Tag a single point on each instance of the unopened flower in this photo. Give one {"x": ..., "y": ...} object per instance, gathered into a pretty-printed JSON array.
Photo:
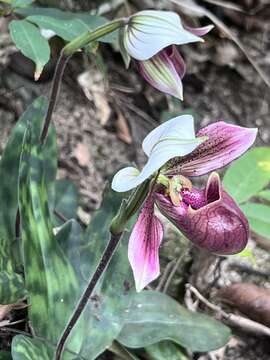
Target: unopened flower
[
  {"x": 208, "y": 217},
  {"x": 148, "y": 37}
]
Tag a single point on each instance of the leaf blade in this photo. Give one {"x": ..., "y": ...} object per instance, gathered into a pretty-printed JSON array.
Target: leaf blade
[
  {"x": 32, "y": 44},
  {"x": 154, "y": 317}
]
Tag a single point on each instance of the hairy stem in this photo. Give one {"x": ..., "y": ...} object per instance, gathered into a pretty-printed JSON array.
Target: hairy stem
[
  {"x": 105, "y": 259},
  {"x": 65, "y": 55},
  {"x": 126, "y": 211},
  {"x": 57, "y": 79}
]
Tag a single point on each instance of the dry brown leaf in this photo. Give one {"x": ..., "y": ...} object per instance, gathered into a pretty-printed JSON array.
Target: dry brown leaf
[
  {"x": 6, "y": 309},
  {"x": 81, "y": 153},
  {"x": 249, "y": 299},
  {"x": 93, "y": 85},
  {"x": 123, "y": 132}
]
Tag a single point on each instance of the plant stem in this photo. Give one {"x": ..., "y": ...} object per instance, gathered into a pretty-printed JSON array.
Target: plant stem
[
  {"x": 65, "y": 55},
  {"x": 126, "y": 211},
  {"x": 106, "y": 257},
  {"x": 57, "y": 79},
  {"x": 89, "y": 37}
]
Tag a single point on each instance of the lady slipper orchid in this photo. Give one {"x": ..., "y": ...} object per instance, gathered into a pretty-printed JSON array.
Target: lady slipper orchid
[
  {"x": 149, "y": 37},
  {"x": 208, "y": 217}
]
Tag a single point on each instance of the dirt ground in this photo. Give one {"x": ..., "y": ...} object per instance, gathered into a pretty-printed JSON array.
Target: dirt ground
[{"x": 101, "y": 119}]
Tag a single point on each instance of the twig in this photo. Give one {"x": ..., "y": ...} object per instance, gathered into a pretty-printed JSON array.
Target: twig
[
  {"x": 60, "y": 216},
  {"x": 226, "y": 5},
  {"x": 232, "y": 319},
  {"x": 249, "y": 270},
  {"x": 165, "y": 274},
  {"x": 106, "y": 257},
  {"x": 174, "y": 269}
]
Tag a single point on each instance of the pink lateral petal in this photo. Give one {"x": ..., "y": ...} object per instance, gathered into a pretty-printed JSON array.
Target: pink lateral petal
[
  {"x": 177, "y": 60},
  {"x": 143, "y": 248},
  {"x": 225, "y": 143},
  {"x": 201, "y": 31}
]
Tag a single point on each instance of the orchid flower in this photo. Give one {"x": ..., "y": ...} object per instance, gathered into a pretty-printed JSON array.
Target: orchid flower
[
  {"x": 208, "y": 217},
  {"x": 149, "y": 37}
]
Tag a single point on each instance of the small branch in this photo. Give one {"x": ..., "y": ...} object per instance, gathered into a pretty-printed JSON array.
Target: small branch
[
  {"x": 174, "y": 269},
  {"x": 165, "y": 275},
  {"x": 105, "y": 260},
  {"x": 249, "y": 270},
  {"x": 57, "y": 79},
  {"x": 232, "y": 319},
  {"x": 60, "y": 216}
]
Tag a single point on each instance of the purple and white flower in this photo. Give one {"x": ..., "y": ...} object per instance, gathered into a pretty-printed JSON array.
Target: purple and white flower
[
  {"x": 208, "y": 217},
  {"x": 150, "y": 37}
]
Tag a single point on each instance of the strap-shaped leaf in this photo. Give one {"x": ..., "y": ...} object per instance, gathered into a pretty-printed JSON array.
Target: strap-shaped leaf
[
  {"x": 32, "y": 44},
  {"x": 57, "y": 267},
  {"x": 11, "y": 286},
  {"x": 49, "y": 277},
  {"x": 9, "y": 166},
  {"x": 154, "y": 317}
]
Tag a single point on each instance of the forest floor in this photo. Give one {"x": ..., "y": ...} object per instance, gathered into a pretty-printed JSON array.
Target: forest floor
[{"x": 103, "y": 115}]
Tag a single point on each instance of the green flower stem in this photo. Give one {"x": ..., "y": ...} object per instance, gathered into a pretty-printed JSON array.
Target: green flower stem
[
  {"x": 88, "y": 37},
  {"x": 65, "y": 55},
  {"x": 126, "y": 211},
  {"x": 129, "y": 207}
]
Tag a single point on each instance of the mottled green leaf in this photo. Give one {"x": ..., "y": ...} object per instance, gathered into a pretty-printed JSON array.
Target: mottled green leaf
[
  {"x": 49, "y": 277},
  {"x": 66, "y": 199},
  {"x": 154, "y": 317},
  {"x": 248, "y": 175},
  {"x": 165, "y": 350},
  {"x": 26, "y": 348},
  {"x": 11, "y": 288},
  {"x": 28, "y": 39},
  {"x": 9, "y": 167},
  {"x": 265, "y": 195},
  {"x": 259, "y": 218},
  {"x": 57, "y": 267},
  {"x": 9, "y": 164},
  {"x": 9, "y": 172},
  {"x": 66, "y": 24}
]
